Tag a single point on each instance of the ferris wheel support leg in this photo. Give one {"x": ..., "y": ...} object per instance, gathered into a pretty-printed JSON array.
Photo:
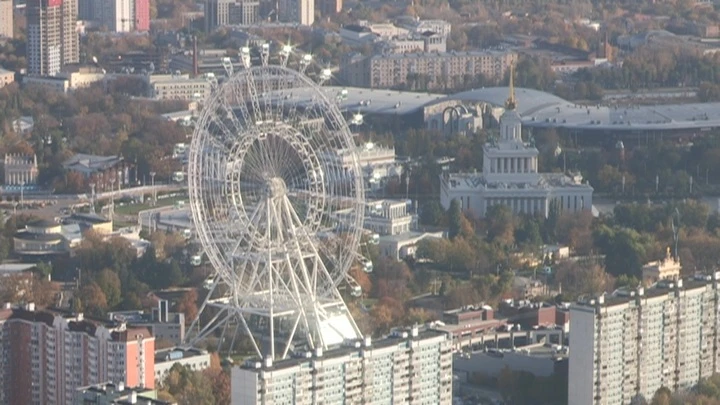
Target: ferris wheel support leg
[
  {"x": 249, "y": 333},
  {"x": 219, "y": 318},
  {"x": 290, "y": 337},
  {"x": 232, "y": 342},
  {"x": 196, "y": 321}
]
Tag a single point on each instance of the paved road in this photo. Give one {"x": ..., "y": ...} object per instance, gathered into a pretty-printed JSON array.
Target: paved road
[{"x": 60, "y": 202}]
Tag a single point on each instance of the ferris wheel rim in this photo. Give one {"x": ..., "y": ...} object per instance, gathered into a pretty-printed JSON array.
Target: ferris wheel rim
[{"x": 210, "y": 232}]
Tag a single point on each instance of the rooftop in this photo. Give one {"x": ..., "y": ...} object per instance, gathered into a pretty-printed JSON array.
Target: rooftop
[
  {"x": 663, "y": 287},
  {"x": 346, "y": 349}
]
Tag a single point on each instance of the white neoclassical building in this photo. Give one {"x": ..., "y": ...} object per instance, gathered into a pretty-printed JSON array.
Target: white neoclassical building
[{"x": 510, "y": 177}]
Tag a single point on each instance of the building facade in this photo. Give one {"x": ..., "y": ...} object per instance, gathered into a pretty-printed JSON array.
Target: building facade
[
  {"x": 408, "y": 367},
  {"x": 54, "y": 354},
  {"x": 20, "y": 170},
  {"x": 634, "y": 342},
  {"x": 301, "y": 12},
  {"x": 116, "y": 15},
  {"x": 6, "y": 76},
  {"x": 330, "y": 7},
  {"x": 510, "y": 177},
  {"x": 178, "y": 87},
  {"x": 6, "y": 18},
  {"x": 231, "y": 12},
  {"x": 52, "y": 39},
  {"x": 430, "y": 69}
]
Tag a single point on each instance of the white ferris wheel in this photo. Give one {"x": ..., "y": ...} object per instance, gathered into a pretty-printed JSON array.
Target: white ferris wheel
[{"x": 265, "y": 182}]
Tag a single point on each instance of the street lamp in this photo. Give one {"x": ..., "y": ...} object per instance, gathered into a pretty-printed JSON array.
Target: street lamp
[{"x": 152, "y": 184}]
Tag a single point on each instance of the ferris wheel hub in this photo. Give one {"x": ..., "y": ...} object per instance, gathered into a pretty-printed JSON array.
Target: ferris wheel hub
[{"x": 275, "y": 188}]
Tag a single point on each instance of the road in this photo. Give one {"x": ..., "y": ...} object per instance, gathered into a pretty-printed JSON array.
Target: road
[{"x": 57, "y": 204}]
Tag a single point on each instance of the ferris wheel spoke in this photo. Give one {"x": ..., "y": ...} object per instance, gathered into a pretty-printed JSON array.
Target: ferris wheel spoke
[{"x": 264, "y": 185}]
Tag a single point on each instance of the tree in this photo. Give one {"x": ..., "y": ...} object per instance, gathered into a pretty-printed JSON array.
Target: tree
[
  {"x": 93, "y": 299},
  {"x": 581, "y": 279},
  {"x": 663, "y": 396},
  {"x": 188, "y": 305},
  {"x": 455, "y": 216},
  {"x": 189, "y": 387},
  {"x": 431, "y": 213},
  {"x": 625, "y": 249},
  {"x": 109, "y": 283},
  {"x": 500, "y": 225}
]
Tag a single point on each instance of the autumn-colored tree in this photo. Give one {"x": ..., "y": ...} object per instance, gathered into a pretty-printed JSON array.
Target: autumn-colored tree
[
  {"x": 188, "y": 305},
  {"x": 219, "y": 379},
  {"x": 362, "y": 278},
  {"x": 386, "y": 313},
  {"x": 93, "y": 299},
  {"x": 391, "y": 279},
  {"x": 578, "y": 279}
]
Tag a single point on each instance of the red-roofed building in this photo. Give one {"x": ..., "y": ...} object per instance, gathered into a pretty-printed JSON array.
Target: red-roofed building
[{"x": 48, "y": 355}]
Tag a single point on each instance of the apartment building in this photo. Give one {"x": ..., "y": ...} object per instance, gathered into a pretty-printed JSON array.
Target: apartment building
[
  {"x": 432, "y": 69},
  {"x": 330, "y": 7},
  {"x": 48, "y": 355},
  {"x": 297, "y": 11},
  {"x": 633, "y": 342},
  {"x": 231, "y": 12},
  {"x": 6, "y": 18},
  {"x": 52, "y": 38},
  {"x": 178, "y": 87},
  {"x": 410, "y": 367}
]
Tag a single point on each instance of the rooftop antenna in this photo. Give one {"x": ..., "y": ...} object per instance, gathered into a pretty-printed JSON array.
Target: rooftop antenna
[{"x": 511, "y": 103}]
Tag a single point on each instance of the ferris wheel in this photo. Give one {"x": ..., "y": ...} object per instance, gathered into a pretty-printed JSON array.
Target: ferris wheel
[{"x": 265, "y": 183}]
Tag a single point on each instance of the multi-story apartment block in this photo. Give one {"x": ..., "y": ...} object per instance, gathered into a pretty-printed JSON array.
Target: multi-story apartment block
[
  {"x": 297, "y": 11},
  {"x": 52, "y": 34},
  {"x": 178, "y": 87},
  {"x": 412, "y": 367},
  {"x": 117, "y": 15},
  {"x": 6, "y": 18},
  {"x": 48, "y": 355},
  {"x": 231, "y": 12},
  {"x": 330, "y": 7},
  {"x": 432, "y": 69},
  {"x": 634, "y": 342}
]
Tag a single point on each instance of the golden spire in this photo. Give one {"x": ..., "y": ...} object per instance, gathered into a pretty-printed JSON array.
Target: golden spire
[{"x": 510, "y": 103}]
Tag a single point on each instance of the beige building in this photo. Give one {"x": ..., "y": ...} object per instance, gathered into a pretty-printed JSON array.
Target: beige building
[
  {"x": 178, "y": 87},
  {"x": 412, "y": 367},
  {"x": 667, "y": 268},
  {"x": 20, "y": 170},
  {"x": 52, "y": 38},
  {"x": 6, "y": 76},
  {"x": 633, "y": 342},
  {"x": 430, "y": 69},
  {"x": 6, "y": 18}
]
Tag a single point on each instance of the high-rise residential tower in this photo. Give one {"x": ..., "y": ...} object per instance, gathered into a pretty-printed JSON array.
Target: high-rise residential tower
[
  {"x": 297, "y": 11},
  {"x": 6, "y": 18},
  {"x": 46, "y": 356},
  {"x": 631, "y": 343},
  {"x": 52, "y": 35}
]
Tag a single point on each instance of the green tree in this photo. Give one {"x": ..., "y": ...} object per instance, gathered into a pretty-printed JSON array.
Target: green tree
[
  {"x": 455, "y": 216},
  {"x": 109, "y": 283}
]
